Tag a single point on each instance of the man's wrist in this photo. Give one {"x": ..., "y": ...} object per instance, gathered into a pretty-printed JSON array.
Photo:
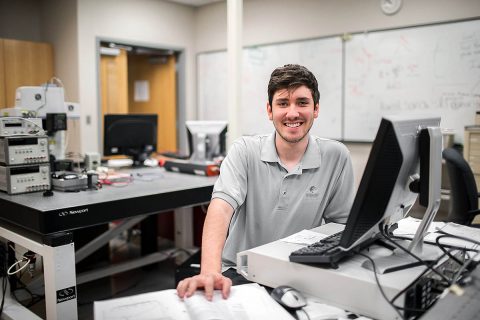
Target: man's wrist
[{"x": 207, "y": 270}]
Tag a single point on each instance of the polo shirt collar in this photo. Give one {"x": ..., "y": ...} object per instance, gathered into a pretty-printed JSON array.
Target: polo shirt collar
[
  {"x": 269, "y": 151},
  {"x": 311, "y": 159},
  {"x": 313, "y": 156}
]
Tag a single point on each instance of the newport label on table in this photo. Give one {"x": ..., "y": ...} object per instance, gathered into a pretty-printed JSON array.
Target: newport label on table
[
  {"x": 72, "y": 212},
  {"x": 66, "y": 294}
]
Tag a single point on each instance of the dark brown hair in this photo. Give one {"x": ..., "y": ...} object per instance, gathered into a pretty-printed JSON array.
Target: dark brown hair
[{"x": 290, "y": 77}]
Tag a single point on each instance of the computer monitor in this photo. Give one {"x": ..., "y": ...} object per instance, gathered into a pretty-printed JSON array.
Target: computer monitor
[
  {"x": 133, "y": 135},
  {"x": 405, "y": 160},
  {"x": 206, "y": 139}
]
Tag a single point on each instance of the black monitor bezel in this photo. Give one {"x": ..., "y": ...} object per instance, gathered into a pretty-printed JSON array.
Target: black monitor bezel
[{"x": 115, "y": 119}]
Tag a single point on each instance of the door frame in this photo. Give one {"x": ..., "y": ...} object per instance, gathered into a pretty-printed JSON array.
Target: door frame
[{"x": 180, "y": 87}]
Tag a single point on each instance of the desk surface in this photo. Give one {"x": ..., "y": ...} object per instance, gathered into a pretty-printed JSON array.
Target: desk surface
[
  {"x": 350, "y": 287},
  {"x": 153, "y": 190}
]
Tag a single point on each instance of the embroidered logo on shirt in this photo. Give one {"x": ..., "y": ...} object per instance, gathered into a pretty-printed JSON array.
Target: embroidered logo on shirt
[{"x": 312, "y": 193}]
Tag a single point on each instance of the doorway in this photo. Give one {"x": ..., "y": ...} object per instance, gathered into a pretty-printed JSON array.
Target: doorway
[{"x": 137, "y": 79}]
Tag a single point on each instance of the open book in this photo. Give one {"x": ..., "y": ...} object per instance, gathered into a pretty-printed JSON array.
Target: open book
[{"x": 248, "y": 301}]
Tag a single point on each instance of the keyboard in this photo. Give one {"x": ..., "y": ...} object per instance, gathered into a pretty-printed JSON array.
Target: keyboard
[{"x": 325, "y": 251}]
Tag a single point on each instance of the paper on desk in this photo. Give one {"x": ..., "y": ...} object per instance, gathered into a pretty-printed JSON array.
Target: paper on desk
[
  {"x": 317, "y": 310},
  {"x": 304, "y": 237},
  {"x": 458, "y": 230},
  {"x": 408, "y": 226},
  {"x": 249, "y": 301}
]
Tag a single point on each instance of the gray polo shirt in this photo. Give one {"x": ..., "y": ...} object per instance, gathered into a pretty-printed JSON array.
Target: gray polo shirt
[{"x": 270, "y": 202}]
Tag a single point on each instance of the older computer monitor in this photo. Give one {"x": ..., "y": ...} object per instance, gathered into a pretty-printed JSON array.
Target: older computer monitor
[
  {"x": 133, "y": 135},
  {"x": 206, "y": 139},
  {"x": 405, "y": 160}
]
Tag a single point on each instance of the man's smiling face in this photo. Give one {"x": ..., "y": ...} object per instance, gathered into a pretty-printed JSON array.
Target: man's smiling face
[{"x": 292, "y": 113}]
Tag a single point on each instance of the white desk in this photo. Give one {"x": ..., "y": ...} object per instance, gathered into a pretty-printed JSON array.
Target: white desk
[{"x": 349, "y": 287}]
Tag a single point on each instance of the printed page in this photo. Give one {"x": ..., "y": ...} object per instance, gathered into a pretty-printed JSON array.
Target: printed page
[
  {"x": 249, "y": 301},
  {"x": 305, "y": 237},
  {"x": 160, "y": 305}
]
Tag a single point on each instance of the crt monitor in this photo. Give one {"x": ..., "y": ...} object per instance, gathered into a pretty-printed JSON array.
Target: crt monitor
[
  {"x": 206, "y": 139},
  {"x": 133, "y": 135},
  {"x": 395, "y": 174}
]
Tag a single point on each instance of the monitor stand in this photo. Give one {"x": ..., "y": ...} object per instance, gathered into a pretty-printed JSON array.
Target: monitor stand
[
  {"x": 199, "y": 152},
  {"x": 139, "y": 158},
  {"x": 400, "y": 259}
]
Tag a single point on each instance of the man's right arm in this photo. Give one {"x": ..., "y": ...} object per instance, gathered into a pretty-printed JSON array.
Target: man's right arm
[{"x": 213, "y": 240}]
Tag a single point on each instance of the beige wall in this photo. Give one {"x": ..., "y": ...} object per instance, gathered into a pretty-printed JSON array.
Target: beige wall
[
  {"x": 270, "y": 21},
  {"x": 53, "y": 21},
  {"x": 152, "y": 23},
  {"x": 59, "y": 27},
  {"x": 20, "y": 20}
]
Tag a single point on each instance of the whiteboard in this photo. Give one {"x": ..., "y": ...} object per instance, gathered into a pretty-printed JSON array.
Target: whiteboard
[
  {"x": 321, "y": 56},
  {"x": 424, "y": 70}
]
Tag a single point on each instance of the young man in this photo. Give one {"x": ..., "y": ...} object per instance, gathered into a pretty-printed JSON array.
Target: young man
[{"x": 272, "y": 186}]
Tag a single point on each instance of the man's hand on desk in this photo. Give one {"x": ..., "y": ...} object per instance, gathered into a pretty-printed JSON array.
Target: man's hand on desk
[{"x": 207, "y": 281}]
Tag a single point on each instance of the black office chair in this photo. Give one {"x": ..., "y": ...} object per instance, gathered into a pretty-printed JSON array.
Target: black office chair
[{"x": 463, "y": 194}]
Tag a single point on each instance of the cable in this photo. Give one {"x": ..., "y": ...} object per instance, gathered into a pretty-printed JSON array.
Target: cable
[
  {"x": 45, "y": 89},
  {"x": 21, "y": 268},
  {"x": 34, "y": 298},
  {"x": 459, "y": 237},
  {"x": 150, "y": 176},
  {"x": 408, "y": 287},
  {"x": 58, "y": 82},
  {"x": 425, "y": 263},
  {"x": 380, "y": 286},
  {"x": 466, "y": 264},
  {"x": 36, "y": 125},
  {"x": 460, "y": 271},
  {"x": 441, "y": 246},
  {"x": 116, "y": 179}
]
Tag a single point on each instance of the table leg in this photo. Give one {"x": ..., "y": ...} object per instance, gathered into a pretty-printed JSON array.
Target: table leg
[
  {"x": 60, "y": 282},
  {"x": 184, "y": 228},
  {"x": 58, "y": 252}
]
